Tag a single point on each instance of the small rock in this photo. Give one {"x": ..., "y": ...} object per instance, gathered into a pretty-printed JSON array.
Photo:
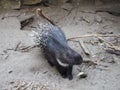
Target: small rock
[
  {"x": 10, "y": 71},
  {"x": 82, "y": 75},
  {"x": 12, "y": 82},
  {"x": 45, "y": 72}
]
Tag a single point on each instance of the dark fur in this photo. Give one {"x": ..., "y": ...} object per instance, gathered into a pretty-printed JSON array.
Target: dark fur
[{"x": 57, "y": 47}]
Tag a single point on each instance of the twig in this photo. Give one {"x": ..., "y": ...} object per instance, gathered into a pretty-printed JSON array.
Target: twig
[
  {"x": 26, "y": 49},
  {"x": 42, "y": 87},
  {"x": 110, "y": 45},
  {"x": 107, "y": 43},
  {"x": 16, "y": 48},
  {"x": 94, "y": 35},
  {"x": 70, "y": 11},
  {"x": 86, "y": 51},
  {"x": 115, "y": 47},
  {"x": 106, "y": 69},
  {"x": 21, "y": 85},
  {"x": 113, "y": 51},
  {"x": 9, "y": 16},
  {"x": 90, "y": 62},
  {"x": 83, "y": 19},
  {"x": 110, "y": 12},
  {"x": 28, "y": 85},
  {"x": 111, "y": 48},
  {"x": 91, "y": 12},
  {"x": 39, "y": 12}
]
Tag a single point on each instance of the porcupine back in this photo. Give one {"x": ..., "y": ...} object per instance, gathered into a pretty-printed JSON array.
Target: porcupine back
[{"x": 46, "y": 32}]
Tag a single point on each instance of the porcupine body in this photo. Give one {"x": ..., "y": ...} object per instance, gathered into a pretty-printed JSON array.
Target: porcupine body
[{"x": 53, "y": 42}]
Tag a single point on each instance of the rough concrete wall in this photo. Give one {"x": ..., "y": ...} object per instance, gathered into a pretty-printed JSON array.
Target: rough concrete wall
[
  {"x": 15, "y": 4},
  {"x": 29, "y": 2}
]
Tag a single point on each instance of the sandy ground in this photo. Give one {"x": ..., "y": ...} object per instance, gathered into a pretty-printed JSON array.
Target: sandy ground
[{"x": 30, "y": 71}]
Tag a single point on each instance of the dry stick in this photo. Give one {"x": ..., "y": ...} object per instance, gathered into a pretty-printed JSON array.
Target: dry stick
[
  {"x": 107, "y": 43},
  {"x": 111, "y": 48},
  {"x": 110, "y": 45},
  {"x": 86, "y": 51},
  {"x": 26, "y": 49},
  {"x": 42, "y": 87},
  {"x": 14, "y": 49},
  {"x": 90, "y": 62},
  {"x": 39, "y": 12},
  {"x": 10, "y": 16},
  {"x": 93, "y": 35},
  {"x": 20, "y": 85},
  {"x": 115, "y": 47},
  {"x": 112, "y": 51},
  {"x": 17, "y": 46},
  {"x": 99, "y": 36},
  {"x": 28, "y": 85}
]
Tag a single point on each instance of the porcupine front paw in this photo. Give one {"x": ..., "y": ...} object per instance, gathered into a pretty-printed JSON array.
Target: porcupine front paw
[{"x": 69, "y": 73}]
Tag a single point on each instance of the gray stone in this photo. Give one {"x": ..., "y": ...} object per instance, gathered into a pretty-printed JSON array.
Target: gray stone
[
  {"x": 10, "y": 4},
  {"x": 31, "y": 2}
]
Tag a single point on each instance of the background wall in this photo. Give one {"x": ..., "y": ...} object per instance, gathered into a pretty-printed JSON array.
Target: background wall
[{"x": 16, "y": 4}]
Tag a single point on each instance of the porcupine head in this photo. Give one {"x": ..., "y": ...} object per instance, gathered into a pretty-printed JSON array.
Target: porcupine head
[{"x": 68, "y": 57}]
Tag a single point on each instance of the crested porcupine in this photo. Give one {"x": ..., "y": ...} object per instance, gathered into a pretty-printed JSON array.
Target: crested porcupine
[{"x": 54, "y": 45}]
